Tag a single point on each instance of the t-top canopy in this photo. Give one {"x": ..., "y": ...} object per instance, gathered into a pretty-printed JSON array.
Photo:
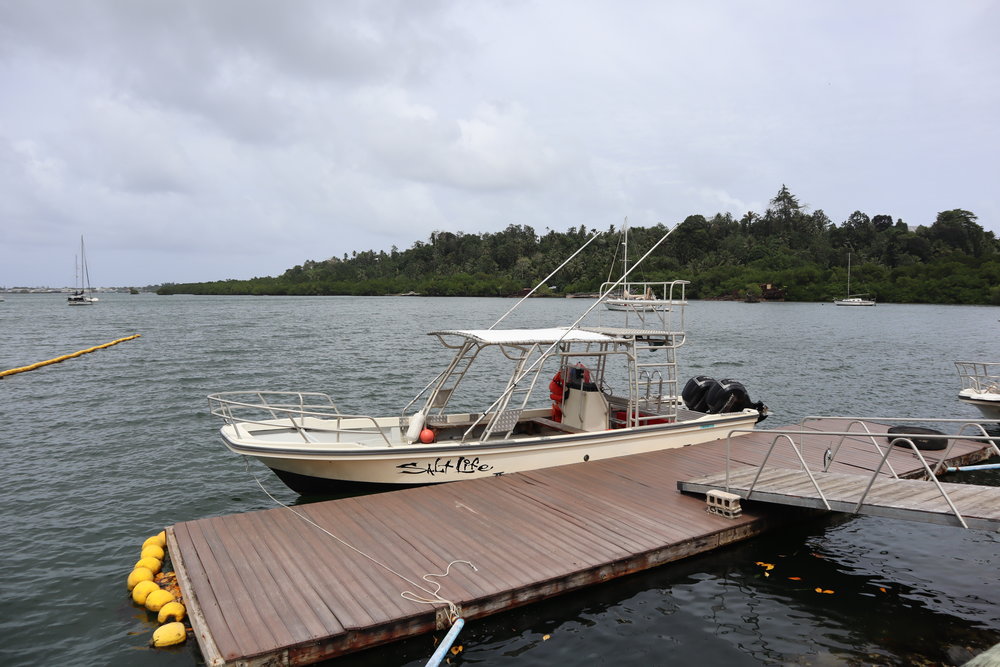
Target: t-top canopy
[{"x": 527, "y": 336}]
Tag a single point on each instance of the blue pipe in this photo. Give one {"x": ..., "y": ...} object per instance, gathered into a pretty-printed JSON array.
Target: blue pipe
[
  {"x": 985, "y": 466},
  {"x": 446, "y": 643}
]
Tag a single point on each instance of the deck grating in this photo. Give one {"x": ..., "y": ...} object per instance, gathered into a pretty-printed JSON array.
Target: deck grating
[{"x": 266, "y": 587}]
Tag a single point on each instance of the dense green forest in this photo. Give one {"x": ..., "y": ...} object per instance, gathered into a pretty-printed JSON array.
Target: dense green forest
[{"x": 954, "y": 260}]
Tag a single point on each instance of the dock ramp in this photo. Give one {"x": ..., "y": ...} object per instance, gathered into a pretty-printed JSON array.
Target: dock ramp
[
  {"x": 910, "y": 499},
  {"x": 879, "y": 492}
]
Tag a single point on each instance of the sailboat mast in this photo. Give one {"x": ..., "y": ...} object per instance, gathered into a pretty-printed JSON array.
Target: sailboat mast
[
  {"x": 625, "y": 244},
  {"x": 848, "y": 274},
  {"x": 625, "y": 254},
  {"x": 85, "y": 273}
]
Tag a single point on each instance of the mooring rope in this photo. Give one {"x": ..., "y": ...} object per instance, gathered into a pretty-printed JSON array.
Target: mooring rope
[
  {"x": 433, "y": 595},
  {"x": 64, "y": 357}
]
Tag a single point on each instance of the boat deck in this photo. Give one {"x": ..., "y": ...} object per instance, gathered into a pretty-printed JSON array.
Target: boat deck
[{"x": 270, "y": 587}]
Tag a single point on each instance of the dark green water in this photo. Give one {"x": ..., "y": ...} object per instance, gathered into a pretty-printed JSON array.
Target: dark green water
[{"x": 101, "y": 451}]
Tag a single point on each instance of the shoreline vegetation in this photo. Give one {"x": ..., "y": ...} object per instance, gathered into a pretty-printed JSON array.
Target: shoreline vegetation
[{"x": 804, "y": 255}]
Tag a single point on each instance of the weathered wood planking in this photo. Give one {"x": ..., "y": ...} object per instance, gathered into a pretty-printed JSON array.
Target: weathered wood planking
[
  {"x": 909, "y": 499},
  {"x": 267, "y": 587}
]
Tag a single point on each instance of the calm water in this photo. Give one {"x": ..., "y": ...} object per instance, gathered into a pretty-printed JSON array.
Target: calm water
[{"x": 101, "y": 451}]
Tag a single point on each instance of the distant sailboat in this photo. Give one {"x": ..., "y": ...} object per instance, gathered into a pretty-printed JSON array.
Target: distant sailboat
[
  {"x": 633, "y": 296},
  {"x": 853, "y": 299},
  {"x": 83, "y": 296}
]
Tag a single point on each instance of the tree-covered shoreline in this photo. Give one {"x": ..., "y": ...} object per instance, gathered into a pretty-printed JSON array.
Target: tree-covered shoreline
[{"x": 952, "y": 261}]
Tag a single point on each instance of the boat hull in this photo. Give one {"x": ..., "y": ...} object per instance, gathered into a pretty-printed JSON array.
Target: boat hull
[
  {"x": 988, "y": 404},
  {"x": 302, "y": 465},
  {"x": 631, "y": 305}
]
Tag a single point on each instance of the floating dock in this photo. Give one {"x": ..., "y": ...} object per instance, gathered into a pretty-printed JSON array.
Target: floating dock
[{"x": 269, "y": 587}]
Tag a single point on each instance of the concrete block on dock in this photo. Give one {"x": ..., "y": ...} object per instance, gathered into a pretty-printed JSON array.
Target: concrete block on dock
[{"x": 723, "y": 503}]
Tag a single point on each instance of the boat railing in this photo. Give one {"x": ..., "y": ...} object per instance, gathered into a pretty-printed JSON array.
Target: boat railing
[
  {"x": 859, "y": 426},
  {"x": 273, "y": 408},
  {"x": 666, "y": 292},
  {"x": 981, "y": 377}
]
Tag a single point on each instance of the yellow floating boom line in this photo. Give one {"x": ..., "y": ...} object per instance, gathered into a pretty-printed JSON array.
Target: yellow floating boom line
[{"x": 64, "y": 357}]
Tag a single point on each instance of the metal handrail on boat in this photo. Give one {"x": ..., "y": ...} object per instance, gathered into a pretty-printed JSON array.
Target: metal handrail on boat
[
  {"x": 981, "y": 377},
  {"x": 894, "y": 439},
  {"x": 231, "y": 410}
]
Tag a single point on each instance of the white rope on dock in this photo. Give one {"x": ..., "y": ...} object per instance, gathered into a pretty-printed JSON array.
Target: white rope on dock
[{"x": 433, "y": 596}]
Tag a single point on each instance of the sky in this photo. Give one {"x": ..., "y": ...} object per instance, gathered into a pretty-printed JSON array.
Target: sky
[{"x": 197, "y": 140}]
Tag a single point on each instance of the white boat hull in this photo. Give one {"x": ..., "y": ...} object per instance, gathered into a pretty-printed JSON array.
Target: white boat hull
[
  {"x": 371, "y": 461},
  {"x": 987, "y": 402},
  {"x": 980, "y": 386},
  {"x": 854, "y": 302},
  {"x": 630, "y": 305}
]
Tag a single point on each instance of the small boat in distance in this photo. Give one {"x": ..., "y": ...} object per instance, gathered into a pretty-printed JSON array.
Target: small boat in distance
[
  {"x": 569, "y": 394},
  {"x": 83, "y": 294},
  {"x": 980, "y": 386},
  {"x": 632, "y": 296},
  {"x": 853, "y": 299}
]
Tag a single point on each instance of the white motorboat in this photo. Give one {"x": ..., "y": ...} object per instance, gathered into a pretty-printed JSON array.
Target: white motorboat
[
  {"x": 853, "y": 299},
  {"x": 83, "y": 294},
  {"x": 569, "y": 395},
  {"x": 980, "y": 386}
]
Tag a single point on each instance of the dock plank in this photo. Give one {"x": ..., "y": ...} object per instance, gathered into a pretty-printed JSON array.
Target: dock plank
[
  {"x": 239, "y": 603},
  {"x": 273, "y": 618},
  {"x": 314, "y": 614},
  {"x": 266, "y": 587}
]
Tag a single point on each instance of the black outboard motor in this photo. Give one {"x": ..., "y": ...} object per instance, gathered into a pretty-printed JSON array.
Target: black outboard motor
[
  {"x": 705, "y": 394},
  {"x": 727, "y": 396},
  {"x": 694, "y": 392}
]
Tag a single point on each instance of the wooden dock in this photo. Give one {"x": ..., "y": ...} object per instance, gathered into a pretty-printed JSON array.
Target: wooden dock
[{"x": 268, "y": 587}]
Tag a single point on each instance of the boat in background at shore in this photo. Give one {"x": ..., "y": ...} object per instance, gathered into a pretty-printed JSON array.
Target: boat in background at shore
[{"x": 853, "y": 299}]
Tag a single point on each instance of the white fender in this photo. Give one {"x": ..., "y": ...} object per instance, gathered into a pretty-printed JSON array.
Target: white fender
[{"x": 416, "y": 426}]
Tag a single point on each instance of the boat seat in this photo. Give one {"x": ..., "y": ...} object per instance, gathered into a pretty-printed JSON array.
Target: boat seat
[{"x": 559, "y": 426}]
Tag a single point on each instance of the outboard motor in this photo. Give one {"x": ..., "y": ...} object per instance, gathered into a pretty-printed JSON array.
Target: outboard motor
[
  {"x": 705, "y": 394},
  {"x": 694, "y": 389},
  {"x": 695, "y": 392},
  {"x": 727, "y": 396}
]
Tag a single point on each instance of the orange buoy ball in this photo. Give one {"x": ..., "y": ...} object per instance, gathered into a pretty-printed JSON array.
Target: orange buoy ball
[
  {"x": 142, "y": 591},
  {"x": 137, "y": 575},
  {"x": 427, "y": 436}
]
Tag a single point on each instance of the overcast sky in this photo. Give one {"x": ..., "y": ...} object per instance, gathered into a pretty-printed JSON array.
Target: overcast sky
[{"x": 204, "y": 140}]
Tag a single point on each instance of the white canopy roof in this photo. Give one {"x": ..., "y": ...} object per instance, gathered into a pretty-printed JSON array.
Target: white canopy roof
[{"x": 527, "y": 336}]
